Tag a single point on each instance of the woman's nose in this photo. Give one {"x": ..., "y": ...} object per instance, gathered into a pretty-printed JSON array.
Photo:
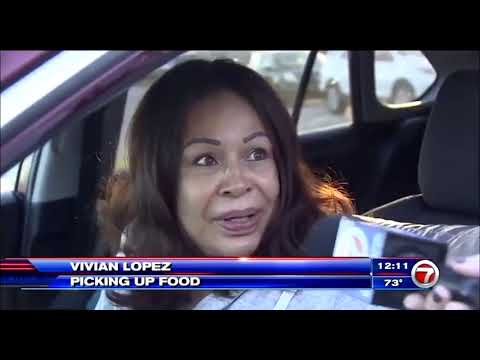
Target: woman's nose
[{"x": 234, "y": 183}]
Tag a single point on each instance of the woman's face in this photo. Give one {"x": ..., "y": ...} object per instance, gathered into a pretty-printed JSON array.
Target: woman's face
[{"x": 228, "y": 179}]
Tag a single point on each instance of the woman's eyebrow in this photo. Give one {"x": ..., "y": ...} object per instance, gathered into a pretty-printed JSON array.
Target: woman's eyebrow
[
  {"x": 254, "y": 135},
  {"x": 202, "y": 141},
  {"x": 218, "y": 143}
]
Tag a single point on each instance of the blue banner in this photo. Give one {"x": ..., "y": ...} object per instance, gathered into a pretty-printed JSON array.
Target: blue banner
[
  {"x": 212, "y": 273},
  {"x": 193, "y": 282},
  {"x": 240, "y": 266}
]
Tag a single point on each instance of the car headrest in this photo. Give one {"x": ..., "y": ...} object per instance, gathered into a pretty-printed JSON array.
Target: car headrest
[{"x": 448, "y": 167}]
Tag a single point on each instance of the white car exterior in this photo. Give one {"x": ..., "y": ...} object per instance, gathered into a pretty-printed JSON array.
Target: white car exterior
[
  {"x": 266, "y": 63},
  {"x": 285, "y": 67},
  {"x": 400, "y": 76}
]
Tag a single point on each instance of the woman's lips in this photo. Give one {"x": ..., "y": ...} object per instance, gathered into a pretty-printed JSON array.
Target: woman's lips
[{"x": 240, "y": 225}]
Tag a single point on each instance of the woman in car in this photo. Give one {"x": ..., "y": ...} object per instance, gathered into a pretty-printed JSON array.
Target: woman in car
[{"x": 215, "y": 170}]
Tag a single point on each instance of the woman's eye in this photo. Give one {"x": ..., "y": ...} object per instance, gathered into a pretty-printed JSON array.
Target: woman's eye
[
  {"x": 257, "y": 155},
  {"x": 205, "y": 160}
]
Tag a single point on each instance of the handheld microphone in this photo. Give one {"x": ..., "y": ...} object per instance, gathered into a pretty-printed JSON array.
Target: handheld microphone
[{"x": 364, "y": 237}]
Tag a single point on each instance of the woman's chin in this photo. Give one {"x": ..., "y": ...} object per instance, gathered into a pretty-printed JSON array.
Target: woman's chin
[{"x": 237, "y": 246}]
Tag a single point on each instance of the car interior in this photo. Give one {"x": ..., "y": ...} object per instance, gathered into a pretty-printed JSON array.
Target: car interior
[
  {"x": 416, "y": 163},
  {"x": 448, "y": 163}
]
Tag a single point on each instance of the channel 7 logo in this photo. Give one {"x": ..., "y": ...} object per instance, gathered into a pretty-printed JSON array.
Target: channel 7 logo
[{"x": 425, "y": 274}]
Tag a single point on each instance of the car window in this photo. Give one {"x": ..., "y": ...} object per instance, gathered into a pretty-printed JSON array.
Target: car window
[
  {"x": 284, "y": 72},
  {"x": 9, "y": 179},
  {"x": 24, "y": 174},
  {"x": 327, "y": 100},
  {"x": 383, "y": 56},
  {"x": 266, "y": 62},
  {"x": 292, "y": 58},
  {"x": 402, "y": 76},
  {"x": 327, "y": 97},
  {"x": 19, "y": 172}
]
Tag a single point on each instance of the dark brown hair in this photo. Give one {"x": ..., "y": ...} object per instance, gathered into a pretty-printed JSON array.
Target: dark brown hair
[
  {"x": 154, "y": 163},
  {"x": 114, "y": 210}
]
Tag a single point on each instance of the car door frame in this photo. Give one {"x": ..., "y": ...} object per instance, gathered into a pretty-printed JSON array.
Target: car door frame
[{"x": 79, "y": 96}]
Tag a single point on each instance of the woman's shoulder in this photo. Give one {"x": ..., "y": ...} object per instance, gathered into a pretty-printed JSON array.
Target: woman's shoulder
[
  {"x": 306, "y": 299},
  {"x": 326, "y": 299},
  {"x": 104, "y": 303},
  {"x": 314, "y": 299}
]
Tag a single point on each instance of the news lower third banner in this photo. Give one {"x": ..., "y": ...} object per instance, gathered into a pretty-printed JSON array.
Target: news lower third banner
[{"x": 218, "y": 273}]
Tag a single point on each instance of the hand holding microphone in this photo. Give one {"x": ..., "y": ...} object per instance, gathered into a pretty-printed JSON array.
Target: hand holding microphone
[
  {"x": 458, "y": 286},
  {"x": 442, "y": 298}
]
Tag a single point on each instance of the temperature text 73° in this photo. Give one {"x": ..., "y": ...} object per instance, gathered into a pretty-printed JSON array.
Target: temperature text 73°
[{"x": 393, "y": 282}]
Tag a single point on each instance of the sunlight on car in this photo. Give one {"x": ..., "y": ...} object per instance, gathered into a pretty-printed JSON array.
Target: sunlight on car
[
  {"x": 7, "y": 181},
  {"x": 43, "y": 80}
]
